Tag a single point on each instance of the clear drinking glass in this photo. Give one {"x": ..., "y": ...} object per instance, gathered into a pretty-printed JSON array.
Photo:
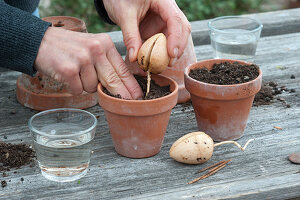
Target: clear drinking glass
[
  {"x": 62, "y": 140},
  {"x": 234, "y": 37}
]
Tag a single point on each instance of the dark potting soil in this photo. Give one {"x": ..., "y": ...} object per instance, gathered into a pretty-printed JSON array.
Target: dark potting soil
[
  {"x": 14, "y": 155},
  {"x": 226, "y": 73},
  {"x": 156, "y": 91},
  {"x": 265, "y": 95},
  {"x": 268, "y": 93},
  {"x": 3, "y": 184}
]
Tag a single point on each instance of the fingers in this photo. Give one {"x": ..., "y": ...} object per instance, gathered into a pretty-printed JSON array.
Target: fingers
[
  {"x": 134, "y": 67},
  {"x": 178, "y": 26},
  {"x": 89, "y": 79},
  {"x": 151, "y": 25},
  {"x": 131, "y": 36},
  {"x": 124, "y": 74},
  {"x": 80, "y": 60},
  {"x": 110, "y": 80},
  {"x": 128, "y": 14},
  {"x": 112, "y": 71},
  {"x": 69, "y": 74}
]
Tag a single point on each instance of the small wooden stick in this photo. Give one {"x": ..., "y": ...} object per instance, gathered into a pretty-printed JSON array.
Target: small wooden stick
[
  {"x": 148, "y": 82},
  {"x": 206, "y": 168},
  {"x": 213, "y": 172},
  {"x": 224, "y": 163},
  {"x": 207, "y": 175},
  {"x": 235, "y": 143}
]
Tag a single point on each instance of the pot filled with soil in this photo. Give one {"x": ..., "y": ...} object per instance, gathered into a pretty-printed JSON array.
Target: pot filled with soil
[
  {"x": 43, "y": 92},
  {"x": 222, "y": 93},
  {"x": 138, "y": 127}
]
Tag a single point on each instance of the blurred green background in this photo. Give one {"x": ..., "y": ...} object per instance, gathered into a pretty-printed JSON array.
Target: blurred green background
[{"x": 193, "y": 9}]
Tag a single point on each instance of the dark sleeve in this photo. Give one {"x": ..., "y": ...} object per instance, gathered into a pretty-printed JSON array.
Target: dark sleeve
[
  {"x": 102, "y": 12},
  {"x": 20, "y": 37},
  {"x": 26, "y": 5}
]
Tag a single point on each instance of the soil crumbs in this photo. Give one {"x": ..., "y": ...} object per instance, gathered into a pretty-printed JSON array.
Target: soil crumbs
[
  {"x": 226, "y": 73},
  {"x": 14, "y": 155},
  {"x": 156, "y": 91},
  {"x": 268, "y": 93},
  {"x": 3, "y": 184}
]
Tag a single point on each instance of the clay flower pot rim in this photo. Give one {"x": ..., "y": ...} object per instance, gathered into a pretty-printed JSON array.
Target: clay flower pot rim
[
  {"x": 41, "y": 94},
  {"x": 64, "y": 18},
  {"x": 196, "y": 65},
  {"x": 99, "y": 89},
  {"x": 62, "y": 109}
]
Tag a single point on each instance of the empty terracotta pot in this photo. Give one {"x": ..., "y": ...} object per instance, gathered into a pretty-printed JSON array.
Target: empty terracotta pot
[
  {"x": 221, "y": 110},
  {"x": 138, "y": 127},
  {"x": 42, "y": 92}
]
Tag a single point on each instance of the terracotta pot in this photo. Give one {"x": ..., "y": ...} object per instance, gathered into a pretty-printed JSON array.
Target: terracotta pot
[
  {"x": 138, "y": 127},
  {"x": 293, "y": 4},
  {"x": 221, "y": 110},
  {"x": 177, "y": 71},
  {"x": 42, "y": 92},
  {"x": 68, "y": 23}
]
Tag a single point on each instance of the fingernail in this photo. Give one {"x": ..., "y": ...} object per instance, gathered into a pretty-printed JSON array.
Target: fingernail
[
  {"x": 176, "y": 52},
  {"x": 131, "y": 52},
  {"x": 173, "y": 61}
]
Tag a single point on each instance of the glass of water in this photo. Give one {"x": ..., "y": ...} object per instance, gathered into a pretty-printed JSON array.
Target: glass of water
[
  {"x": 234, "y": 37},
  {"x": 62, "y": 140}
]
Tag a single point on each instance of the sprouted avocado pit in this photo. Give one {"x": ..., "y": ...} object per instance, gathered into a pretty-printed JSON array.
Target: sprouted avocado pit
[
  {"x": 197, "y": 148},
  {"x": 153, "y": 56}
]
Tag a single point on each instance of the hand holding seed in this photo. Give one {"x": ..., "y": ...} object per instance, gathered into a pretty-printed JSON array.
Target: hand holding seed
[
  {"x": 197, "y": 148},
  {"x": 153, "y": 56}
]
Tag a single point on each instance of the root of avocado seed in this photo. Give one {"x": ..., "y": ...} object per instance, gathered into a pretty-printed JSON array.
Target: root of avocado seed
[
  {"x": 148, "y": 82},
  {"x": 235, "y": 143}
]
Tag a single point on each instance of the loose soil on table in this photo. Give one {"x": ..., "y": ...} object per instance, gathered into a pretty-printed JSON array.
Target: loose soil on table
[
  {"x": 226, "y": 73},
  {"x": 3, "y": 183},
  {"x": 14, "y": 155},
  {"x": 268, "y": 93},
  {"x": 156, "y": 91}
]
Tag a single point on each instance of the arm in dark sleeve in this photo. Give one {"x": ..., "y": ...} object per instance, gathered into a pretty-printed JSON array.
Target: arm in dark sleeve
[
  {"x": 20, "y": 38},
  {"x": 102, "y": 12}
]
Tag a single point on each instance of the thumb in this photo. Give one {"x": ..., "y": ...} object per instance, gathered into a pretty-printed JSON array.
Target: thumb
[{"x": 132, "y": 38}]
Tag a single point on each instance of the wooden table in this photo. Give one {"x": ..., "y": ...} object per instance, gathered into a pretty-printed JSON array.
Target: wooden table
[{"x": 263, "y": 171}]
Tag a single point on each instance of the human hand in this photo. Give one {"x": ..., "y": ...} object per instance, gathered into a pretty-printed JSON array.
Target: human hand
[
  {"x": 80, "y": 60},
  {"x": 140, "y": 19}
]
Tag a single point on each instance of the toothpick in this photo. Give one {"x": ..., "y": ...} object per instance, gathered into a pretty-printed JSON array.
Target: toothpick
[
  {"x": 208, "y": 174},
  {"x": 211, "y": 166},
  {"x": 220, "y": 165}
]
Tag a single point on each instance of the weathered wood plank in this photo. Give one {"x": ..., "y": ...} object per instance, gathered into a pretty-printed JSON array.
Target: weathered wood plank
[
  {"x": 261, "y": 172},
  {"x": 275, "y": 23}
]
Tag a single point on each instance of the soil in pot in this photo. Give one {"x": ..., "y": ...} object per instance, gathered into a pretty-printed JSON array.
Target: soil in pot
[
  {"x": 222, "y": 95},
  {"x": 156, "y": 91},
  {"x": 226, "y": 73},
  {"x": 138, "y": 127}
]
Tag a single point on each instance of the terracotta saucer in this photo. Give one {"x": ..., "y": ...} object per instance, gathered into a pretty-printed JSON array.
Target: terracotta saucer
[{"x": 40, "y": 93}]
